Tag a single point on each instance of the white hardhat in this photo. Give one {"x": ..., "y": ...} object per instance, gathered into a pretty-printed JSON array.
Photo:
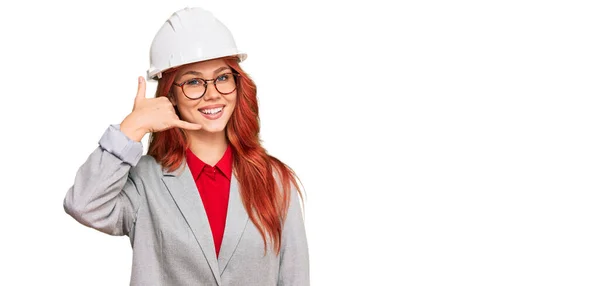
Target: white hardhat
[{"x": 190, "y": 35}]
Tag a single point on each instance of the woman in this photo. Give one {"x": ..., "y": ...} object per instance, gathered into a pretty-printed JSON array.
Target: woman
[{"x": 207, "y": 205}]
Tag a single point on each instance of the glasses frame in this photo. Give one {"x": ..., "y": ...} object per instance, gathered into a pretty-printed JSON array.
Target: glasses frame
[{"x": 206, "y": 81}]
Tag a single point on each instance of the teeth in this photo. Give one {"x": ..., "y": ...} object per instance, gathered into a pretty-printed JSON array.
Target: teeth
[{"x": 211, "y": 111}]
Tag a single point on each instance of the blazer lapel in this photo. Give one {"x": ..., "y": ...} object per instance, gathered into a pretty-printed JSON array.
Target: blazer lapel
[
  {"x": 182, "y": 187},
  {"x": 235, "y": 224}
]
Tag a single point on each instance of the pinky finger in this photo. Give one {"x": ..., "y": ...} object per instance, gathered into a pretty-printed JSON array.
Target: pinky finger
[{"x": 187, "y": 125}]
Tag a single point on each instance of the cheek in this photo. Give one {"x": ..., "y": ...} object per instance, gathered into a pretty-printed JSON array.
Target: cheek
[
  {"x": 184, "y": 103},
  {"x": 233, "y": 100},
  {"x": 186, "y": 109}
]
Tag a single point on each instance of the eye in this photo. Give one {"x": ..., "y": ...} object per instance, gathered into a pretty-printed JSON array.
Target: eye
[
  {"x": 194, "y": 82},
  {"x": 223, "y": 77}
]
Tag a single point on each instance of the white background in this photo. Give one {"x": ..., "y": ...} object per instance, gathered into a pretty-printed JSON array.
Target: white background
[{"x": 439, "y": 142}]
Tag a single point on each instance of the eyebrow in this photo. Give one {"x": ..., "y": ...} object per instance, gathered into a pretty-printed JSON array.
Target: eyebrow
[{"x": 197, "y": 73}]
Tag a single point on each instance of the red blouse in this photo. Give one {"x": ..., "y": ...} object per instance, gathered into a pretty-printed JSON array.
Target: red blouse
[{"x": 213, "y": 185}]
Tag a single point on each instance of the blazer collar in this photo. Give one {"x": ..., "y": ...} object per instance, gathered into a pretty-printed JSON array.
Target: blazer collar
[
  {"x": 182, "y": 187},
  {"x": 235, "y": 224}
]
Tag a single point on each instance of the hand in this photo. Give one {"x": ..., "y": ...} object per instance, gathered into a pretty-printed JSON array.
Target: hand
[{"x": 152, "y": 115}]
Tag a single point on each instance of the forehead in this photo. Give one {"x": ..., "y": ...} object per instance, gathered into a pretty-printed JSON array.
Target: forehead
[{"x": 206, "y": 68}]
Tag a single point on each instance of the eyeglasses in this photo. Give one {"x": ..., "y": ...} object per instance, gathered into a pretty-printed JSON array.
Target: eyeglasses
[{"x": 195, "y": 88}]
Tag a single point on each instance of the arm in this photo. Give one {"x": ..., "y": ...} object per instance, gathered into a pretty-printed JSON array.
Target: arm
[
  {"x": 294, "y": 265},
  {"x": 104, "y": 196}
]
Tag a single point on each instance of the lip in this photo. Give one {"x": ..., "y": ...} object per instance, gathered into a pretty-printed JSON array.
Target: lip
[
  {"x": 212, "y": 116},
  {"x": 211, "y": 106}
]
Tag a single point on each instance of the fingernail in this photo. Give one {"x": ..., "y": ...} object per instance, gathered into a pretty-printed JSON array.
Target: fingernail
[{"x": 140, "y": 79}]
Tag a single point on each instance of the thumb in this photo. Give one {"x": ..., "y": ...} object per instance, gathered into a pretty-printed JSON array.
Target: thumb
[{"x": 141, "y": 92}]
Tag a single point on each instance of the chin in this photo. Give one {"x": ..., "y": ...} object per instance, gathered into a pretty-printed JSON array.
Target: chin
[
  {"x": 213, "y": 130},
  {"x": 213, "y": 127}
]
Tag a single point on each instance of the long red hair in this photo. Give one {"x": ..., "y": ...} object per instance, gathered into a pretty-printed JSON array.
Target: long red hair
[{"x": 265, "y": 197}]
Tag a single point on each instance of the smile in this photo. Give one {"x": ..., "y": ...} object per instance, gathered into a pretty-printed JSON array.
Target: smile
[{"x": 211, "y": 111}]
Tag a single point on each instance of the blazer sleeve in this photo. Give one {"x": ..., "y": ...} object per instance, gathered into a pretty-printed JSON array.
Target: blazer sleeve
[
  {"x": 294, "y": 264},
  {"x": 104, "y": 196}
]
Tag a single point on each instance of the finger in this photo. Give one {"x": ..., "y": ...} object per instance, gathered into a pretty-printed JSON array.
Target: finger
[
  {"x": 141, "y": 92},
  {"x": 186, "y": 125},
  {"x": 166, "y": 101}
]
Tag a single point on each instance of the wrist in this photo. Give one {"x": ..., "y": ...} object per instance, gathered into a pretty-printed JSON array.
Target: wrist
[{"x": 132, "y": 130}]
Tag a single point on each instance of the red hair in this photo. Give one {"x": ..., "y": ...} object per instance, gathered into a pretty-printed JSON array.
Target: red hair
[{"x": 265, "y": 200}]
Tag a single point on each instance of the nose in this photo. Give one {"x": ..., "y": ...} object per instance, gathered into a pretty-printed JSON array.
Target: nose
[{"x": 211, "y": 92}]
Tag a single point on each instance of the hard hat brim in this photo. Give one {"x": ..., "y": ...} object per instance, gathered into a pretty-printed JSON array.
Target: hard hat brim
[{"x": 154, "y": 74}]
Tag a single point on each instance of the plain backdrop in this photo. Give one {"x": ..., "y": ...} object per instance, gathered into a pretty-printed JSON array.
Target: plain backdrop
[{"x": 439, "y": 142}]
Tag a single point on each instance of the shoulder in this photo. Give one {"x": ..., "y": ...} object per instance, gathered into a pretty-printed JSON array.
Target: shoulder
[
  {"x": 287, "y": 182},
  {"x": 147, "y": 161},
  {"x": 146, "y": 167}
]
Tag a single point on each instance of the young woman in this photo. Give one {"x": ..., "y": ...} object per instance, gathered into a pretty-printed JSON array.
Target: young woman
[{"x": 207, "y": 205}]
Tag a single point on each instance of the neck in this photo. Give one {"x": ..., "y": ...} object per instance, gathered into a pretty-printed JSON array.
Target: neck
[{"x": 208, "y": 147}]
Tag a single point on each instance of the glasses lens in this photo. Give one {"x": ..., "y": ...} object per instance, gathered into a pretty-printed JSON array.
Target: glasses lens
[
  {"x": 194, "y": 88},
  {"x": 225, "y": 83}
]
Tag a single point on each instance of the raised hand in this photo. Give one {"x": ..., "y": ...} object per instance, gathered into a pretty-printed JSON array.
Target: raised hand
[{"x": 152, "y": 115}]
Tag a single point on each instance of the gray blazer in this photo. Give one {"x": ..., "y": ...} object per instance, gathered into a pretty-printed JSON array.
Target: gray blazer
[{"x": 120, "y": 192}]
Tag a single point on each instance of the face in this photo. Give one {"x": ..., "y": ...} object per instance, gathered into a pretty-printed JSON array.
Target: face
[{"x": 213, "y": 109}]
